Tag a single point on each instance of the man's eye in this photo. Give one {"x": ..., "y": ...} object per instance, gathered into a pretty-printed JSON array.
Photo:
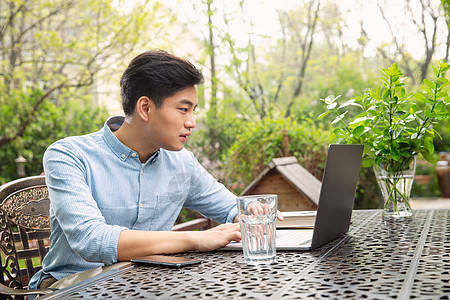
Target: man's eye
[{"x": 184, "y": 109}]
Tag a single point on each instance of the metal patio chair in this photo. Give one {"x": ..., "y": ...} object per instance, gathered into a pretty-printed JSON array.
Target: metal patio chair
[{"x": 25, "y": 228}]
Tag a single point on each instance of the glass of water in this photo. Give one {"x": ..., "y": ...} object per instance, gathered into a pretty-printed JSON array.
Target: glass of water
[{"x": 257, "y": 218}]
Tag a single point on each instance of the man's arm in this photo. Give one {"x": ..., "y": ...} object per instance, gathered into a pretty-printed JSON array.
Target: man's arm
[{"x": 135, "y": 243}]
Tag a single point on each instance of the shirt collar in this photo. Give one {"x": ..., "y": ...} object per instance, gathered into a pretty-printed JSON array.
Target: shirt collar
[{"x": 119, "y": 149}]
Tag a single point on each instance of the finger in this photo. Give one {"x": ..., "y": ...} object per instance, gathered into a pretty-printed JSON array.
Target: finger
[
  {"x": 266, "y": 209},
  {"x": 280, "y": 216},
  {"x": 260, "y": 209},
  {"x": 255, "y": 208},
  {"x": 232, "y": 232},
  {"x": 227, "y": 227},
  {"x": 237, "y": 236}
]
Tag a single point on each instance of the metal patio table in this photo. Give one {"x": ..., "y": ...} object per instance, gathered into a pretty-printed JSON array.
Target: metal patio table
[{"x": 373, "y": 260}]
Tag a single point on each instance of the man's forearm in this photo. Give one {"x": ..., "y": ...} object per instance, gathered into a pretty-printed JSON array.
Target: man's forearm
[{"x": 136, "y": 243}]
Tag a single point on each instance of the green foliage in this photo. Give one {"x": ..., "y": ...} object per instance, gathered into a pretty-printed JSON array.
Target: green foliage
[
  {"x": 446, "y": 7},
  {"x": 394, "y": 125},
  {"x": 217, "y": 130},
  {"x": 442, "y": 144},
  {"x": 368, "y": 194},
  {"x": 50, "y": 53},
  {"x": 339, "y": 74},
  {"x": 259, "y": 142},
  {"x": 67, "y": 42},
  {"x": 427, "y": 187},
  {"x": 51, "y": 123}
]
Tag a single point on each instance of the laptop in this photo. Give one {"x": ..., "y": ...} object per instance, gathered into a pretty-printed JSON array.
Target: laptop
[{"x": 334, "y": 210}]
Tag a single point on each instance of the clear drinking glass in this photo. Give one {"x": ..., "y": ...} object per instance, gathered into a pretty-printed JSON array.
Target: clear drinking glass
[{"x": 257, "y": 218}]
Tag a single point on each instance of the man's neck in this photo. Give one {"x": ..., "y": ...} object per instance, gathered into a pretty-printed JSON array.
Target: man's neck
[{"x": 132, "y": 135}]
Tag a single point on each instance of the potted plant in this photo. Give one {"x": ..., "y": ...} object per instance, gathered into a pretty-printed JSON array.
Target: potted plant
[{"x": 394, "y": 126}]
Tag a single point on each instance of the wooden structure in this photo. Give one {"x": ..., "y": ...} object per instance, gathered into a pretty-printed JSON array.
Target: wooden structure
[
  {"x": 197, "y": 224},
  {"x": 297, "y": 189}
]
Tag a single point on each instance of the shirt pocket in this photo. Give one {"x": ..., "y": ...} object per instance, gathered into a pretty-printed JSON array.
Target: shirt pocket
[{"x": 168, "y": 209}]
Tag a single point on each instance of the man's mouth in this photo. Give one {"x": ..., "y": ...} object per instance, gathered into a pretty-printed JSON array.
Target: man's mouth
[{"x": 184, "y": 137}]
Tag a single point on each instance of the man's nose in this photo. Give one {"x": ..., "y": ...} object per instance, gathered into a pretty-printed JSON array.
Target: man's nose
[{"x": 191, "y": 123}]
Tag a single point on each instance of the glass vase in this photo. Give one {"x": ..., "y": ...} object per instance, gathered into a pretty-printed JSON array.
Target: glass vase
[{"x": 395, "y": 180}]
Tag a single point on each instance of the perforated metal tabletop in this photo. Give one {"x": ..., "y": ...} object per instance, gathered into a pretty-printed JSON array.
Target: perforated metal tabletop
[{"x": 373, "y": 261}]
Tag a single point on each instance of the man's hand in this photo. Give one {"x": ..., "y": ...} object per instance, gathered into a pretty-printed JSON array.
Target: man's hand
[
  {"x": 217, "y": 237},
  {"x": 257, "y": 208},
  {"x": 279, "y": 217}
]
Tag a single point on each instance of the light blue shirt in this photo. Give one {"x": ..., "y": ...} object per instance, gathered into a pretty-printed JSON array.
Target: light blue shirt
[{"x": 98, "y": 187}]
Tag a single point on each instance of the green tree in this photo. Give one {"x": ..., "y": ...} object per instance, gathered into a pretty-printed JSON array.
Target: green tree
[
  {"x": 53, "y": 54},
  {"x": 54, "y": 46},
  {"x": 255, "y": 80},
  {"x": 51, "y": 122},
  {"x": 257, "y": 144}
]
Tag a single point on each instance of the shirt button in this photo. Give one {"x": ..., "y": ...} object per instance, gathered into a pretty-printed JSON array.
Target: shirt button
[
  {"x": 141, "y": 205},
  {"x": 142, "y": 171},
  {"x": 133, "y": 154},
  {"x": 123, "y": 156}
]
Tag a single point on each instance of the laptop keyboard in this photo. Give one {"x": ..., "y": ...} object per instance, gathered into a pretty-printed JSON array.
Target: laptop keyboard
[{"x": 293, "y": 237}]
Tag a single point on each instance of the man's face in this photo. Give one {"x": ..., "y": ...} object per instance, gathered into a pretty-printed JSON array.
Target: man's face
[{"x": 170, "y": 126}]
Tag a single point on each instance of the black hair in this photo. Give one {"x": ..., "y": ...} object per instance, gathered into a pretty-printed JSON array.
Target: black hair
[{"x": 156, "y": 74}]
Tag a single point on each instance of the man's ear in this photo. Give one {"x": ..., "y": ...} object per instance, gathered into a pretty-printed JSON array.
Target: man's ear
[{"x": 144, "y": 107}]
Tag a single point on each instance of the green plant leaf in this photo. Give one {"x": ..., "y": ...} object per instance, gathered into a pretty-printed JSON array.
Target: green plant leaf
[
  {"x": 376, "y": 131},
  {"x": 323, "y": 115},
  {"x": 367, "y": 163},
  {"x": 441, "y": 94},
  {"x": 428, "y": 113},
  {"x": 429, "y": 157},
  {"x": 402, "y": 92},
  {"x": 351, "y": 102},
  {"x": 359, "y": 120},
  {"x": 445, "y": 84},
  {"x": 430, "y": 84},
  {"x": 358, "y": 130},
  {"x": 386, "y": 93},
  {"x": 340, "y": 133},
  {"x": 395, "y": 155},
  {"x": 338, "y": 118},
  {"x": 440, "y": 106},
  {"x": 428, "y": 143},
  {"x": 445, "y": 67},
  {"x": 397, "y": 133},
  {"x": 419, "y": 96},
  {"x": 332, "y": 105},
  {"x": 331, "y": 98},
  {"x": 372, "y": 109}
]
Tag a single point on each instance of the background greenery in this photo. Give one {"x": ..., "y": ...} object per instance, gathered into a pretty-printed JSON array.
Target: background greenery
[{"x": 60, "y": 64}]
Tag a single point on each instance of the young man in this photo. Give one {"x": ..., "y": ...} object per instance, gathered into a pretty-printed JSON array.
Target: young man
[{"x": 116, "y": 193}]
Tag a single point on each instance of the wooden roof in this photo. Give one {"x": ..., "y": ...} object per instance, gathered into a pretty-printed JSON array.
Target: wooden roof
[{"x": 293, "y": 173}]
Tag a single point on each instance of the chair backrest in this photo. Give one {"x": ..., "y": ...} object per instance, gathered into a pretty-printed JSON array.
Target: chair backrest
[{"x": 25, "y": 228}]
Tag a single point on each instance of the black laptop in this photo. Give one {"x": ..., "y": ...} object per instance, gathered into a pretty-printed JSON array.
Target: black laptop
[{"x": 336, "y": 199}]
